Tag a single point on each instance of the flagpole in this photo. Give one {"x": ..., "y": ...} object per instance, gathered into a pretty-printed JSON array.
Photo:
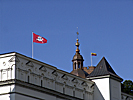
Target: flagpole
[
  {"x": 32, "y": 44},
  {"x": 91, "y": 60}
]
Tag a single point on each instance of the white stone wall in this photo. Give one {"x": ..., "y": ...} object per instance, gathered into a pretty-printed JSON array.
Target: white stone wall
[
  {"x": 52, "y": 78},
  {"x": 5, "y": 92},
  {"x": 107, "y": 88},
  {"x": 17, "y": 66},
  {"x": 36, "y": 73},
  {"x": 29, "y": 94},
  {"x": 115, "y": 89},
  {"x": 97, "y": 94},
  {"x": 6, "y": 97},
  {"x": 102, "y": 90},
  {"x": 7, "y": 68}
]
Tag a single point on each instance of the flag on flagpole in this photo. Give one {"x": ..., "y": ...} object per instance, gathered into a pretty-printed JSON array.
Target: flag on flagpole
[
  {"x": 93, "y": 54},
  {"x": 39, "y": 39}
]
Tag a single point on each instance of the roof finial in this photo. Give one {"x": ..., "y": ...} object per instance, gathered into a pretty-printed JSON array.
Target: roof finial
[
  {"x": 77, "y": 33},
  {"x": 77, "y": 43}
]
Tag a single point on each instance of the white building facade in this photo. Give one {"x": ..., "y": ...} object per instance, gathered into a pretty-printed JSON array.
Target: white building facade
[{"x": 24, "y": 78}]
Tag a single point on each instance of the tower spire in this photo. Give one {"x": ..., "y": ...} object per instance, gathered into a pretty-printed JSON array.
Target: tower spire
[
  {"x": 78, "y": 61},
  {"x": 77, "y": 43},
  {"x": 77, "y": 33}
]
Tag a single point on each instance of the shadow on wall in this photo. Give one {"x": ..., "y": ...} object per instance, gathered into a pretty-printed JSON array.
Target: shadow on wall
[
  {"x": 97, "y": 94},
  {"x": 12, "y": 93}
]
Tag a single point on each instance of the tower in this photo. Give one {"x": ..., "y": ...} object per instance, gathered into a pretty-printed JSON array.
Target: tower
[
  {"x": 78, "y": 62},
  {"x": 108, "y": 83}
]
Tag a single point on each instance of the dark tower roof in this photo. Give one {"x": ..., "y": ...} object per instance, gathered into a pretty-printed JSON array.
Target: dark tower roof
[
  {"x": 77, "y": 56},
  {"x": 102, "y": 69}
]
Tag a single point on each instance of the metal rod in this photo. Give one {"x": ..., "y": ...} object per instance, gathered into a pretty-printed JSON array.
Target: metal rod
[
  {"x": 91, "y": 60},
  {"x": 32, "y": 44}
]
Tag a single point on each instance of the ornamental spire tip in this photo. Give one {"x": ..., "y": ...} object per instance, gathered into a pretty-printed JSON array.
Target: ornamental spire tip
[{"x": 77, "y": 43}]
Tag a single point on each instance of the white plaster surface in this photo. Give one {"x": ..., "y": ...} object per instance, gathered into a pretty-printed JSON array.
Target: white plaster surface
[
  {"x": 102, "y": 89},
  {"x": 16, "y": 66}
]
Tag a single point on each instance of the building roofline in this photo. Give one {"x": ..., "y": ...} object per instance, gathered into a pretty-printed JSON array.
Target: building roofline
[
  {"x": 42, "y": 63},
  {"x": 106, "y": 76},
  {"x": 123, "y": 93}
]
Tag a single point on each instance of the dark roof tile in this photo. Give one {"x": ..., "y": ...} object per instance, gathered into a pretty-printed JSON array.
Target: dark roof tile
[{"x": 103, "y": 68}]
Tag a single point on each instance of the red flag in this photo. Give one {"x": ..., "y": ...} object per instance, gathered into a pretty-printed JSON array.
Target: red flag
[{"x": 39, "y": 39}]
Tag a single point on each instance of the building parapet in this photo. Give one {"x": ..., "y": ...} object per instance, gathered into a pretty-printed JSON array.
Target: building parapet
[
  {"x": 125, "y": 96},
  {"x": 24, "y": 70}
]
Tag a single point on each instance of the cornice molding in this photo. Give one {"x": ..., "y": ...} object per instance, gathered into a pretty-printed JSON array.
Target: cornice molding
[
  {"x": 38, "y": 88},
  {"x": 106, "y": 76}
]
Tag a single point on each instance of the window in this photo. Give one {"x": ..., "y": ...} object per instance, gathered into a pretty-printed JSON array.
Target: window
[
  {"x": 75, "y": 65},
  {"x": 41, "y": 83},
  {"x": 22, "y": 76},
  {"x": 74, "y": 93},
  {"x": 63, "y": 90},
  {"x": 28, "y": 79},
  {"x": 78, "y": 64},
  {"x": 83, "y": 96},
  {"x": 4, "y": 75}
]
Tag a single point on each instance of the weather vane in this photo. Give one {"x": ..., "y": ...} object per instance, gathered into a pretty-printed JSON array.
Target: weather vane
[{"x": 77, "y": 33}]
